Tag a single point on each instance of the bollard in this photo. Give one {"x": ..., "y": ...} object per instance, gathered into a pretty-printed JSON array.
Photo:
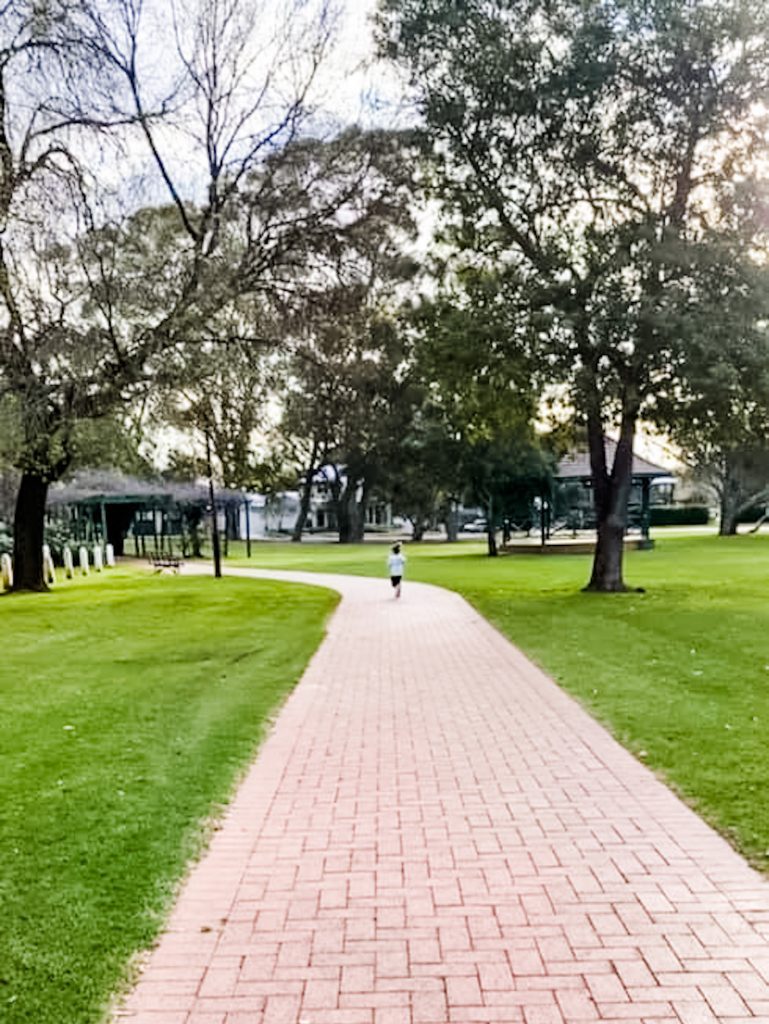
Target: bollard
[
  {"x": 49, "y": 572},
  {"x": 6, "y": 571}
]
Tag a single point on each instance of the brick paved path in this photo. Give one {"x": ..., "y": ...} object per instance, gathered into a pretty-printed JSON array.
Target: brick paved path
[{"x": 433, "y": 833}]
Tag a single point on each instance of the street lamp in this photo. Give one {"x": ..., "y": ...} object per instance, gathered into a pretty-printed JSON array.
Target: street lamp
[{"x": 214, "y": 518}]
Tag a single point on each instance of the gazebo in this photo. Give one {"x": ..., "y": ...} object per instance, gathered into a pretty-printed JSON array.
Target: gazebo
[
  {"x": 567, "y": 504},
  {"x": 574, "y": 471}
]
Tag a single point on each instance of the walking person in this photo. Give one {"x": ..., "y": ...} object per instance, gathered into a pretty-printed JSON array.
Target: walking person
[{"x": 396, "y": 563}]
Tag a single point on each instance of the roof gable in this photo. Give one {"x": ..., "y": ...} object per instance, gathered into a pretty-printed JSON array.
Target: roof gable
[{"x": 575, "y": 465}]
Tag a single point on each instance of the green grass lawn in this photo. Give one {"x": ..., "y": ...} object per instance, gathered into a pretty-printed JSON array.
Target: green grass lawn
[
  {"x": 680, "y": 673},
  {"x": 130, "y": 704}
]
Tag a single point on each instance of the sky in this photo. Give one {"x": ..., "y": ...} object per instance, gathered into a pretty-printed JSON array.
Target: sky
[
  {"x": 352, "y": 86},
  {"x": 355, "y": 47}
]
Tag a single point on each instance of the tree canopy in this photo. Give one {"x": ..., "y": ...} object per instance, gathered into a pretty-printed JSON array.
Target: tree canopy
[
  {"x": 594, "y": 155},
  {"x": 96, "y": 288}
]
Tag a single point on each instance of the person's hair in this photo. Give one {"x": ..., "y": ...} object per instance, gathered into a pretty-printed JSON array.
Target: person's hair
[{"x": 396, "y": 549}]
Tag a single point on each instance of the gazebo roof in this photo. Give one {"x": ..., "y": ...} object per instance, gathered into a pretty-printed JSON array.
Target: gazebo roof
[
  {"x": 576, "y": 465},
  {"x": 94, "y": 487}
]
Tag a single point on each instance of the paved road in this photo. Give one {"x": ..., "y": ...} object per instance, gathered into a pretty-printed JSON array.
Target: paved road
[{"x": 435, "y": 833}]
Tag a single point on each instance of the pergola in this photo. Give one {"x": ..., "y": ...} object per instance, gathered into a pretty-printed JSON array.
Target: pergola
[{"x": 107, "y": 506}]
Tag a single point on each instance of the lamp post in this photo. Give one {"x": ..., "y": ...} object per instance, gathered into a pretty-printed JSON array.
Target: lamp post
[{"x": 214, "y": 518}]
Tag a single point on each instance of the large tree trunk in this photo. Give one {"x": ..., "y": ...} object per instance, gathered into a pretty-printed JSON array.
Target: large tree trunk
[
  {"x": 451, "y": 523},
  {"x": 491, "y": 533},
  {"x": 729, "y": 500},
  {"x": 611, "y": 492},
  {"x": 351, "y": 513},
  {"x": 28, "y": 531},
  {"x": 417, "y": 529},
  {"x": 606, "y": 576},
  {"x": 360, "y": 514},
  {"x": 491, "y": 542},
  {"x": 305, "y": 499},
  {"x": 740, "y": 485},
  {"x": 301, "y": 516},
  {"x": 727, "y": 526},
  {"x": 347, "y": 514},
  {"x": 306, "y": 496}
]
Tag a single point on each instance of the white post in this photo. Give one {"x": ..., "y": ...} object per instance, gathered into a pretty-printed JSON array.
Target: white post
[
  {"x": 110, "y": 555},
  {"x": 98, "y": 561},
  {"x": 6, "y": 570},
  {"x": 83, "y": 553},
  {"x": 69, "y": 567},
  {"x": 49, "y": 572}
]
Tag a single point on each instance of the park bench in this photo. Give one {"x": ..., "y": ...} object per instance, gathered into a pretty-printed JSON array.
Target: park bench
[{"x": 165, "y": 563}]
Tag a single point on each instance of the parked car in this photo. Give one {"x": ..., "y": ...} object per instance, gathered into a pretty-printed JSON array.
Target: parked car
[{"x": 475, "y": 526}]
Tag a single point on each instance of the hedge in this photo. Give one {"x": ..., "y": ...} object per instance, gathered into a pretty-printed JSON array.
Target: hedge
[
  {"x": 752, "y": 514},
  {"x": 679, "y": 515}
]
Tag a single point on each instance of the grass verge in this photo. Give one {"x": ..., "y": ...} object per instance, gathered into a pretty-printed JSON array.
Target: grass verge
[
  {"x": 130, "y": 705},
  {"x": 679, "y": 673}
]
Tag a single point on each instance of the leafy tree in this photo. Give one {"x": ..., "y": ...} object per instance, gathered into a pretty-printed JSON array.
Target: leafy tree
[
  {"x": 307, "y": 430},
  {"x": 9, "y": 477},
  {"x": 593, "y": 155},
  {"x": 47, "y": 358},
  {"x": 424, "y": 480},
  {"x": 90, "y": 302},
  {"x": 472, "y": 358},
  {"x": 504, "y": 473},
  {"x": 222, "y": 398},
  {"x": 353, "y": 398},
  {"x": 718, "y": 414},
  {"x": 349, "y": 397},
  {"x": 114, "y": 442},
  {"x": 345, "y": 197},
  {"x": 740, "y": 478}
]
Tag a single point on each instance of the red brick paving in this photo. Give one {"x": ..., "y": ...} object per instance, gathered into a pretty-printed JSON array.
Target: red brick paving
[{"x": 434, "y": 832}]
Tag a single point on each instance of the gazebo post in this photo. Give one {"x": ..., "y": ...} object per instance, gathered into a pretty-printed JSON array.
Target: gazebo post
[
  {"x": 247, "y": 504},
  {"x": 542, "y": 522},
  {"x": 646, "y": 486}
]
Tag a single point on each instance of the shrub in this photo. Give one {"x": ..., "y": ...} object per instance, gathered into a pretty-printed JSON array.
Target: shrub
[
  {"x": 751, "y": 514},
  {"x": 679, "y": 515},
  {"x": 57, "y": 536}
]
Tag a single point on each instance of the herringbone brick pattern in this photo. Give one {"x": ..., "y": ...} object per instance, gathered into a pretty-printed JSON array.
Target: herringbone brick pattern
[{"x": 434, "y": 833}]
